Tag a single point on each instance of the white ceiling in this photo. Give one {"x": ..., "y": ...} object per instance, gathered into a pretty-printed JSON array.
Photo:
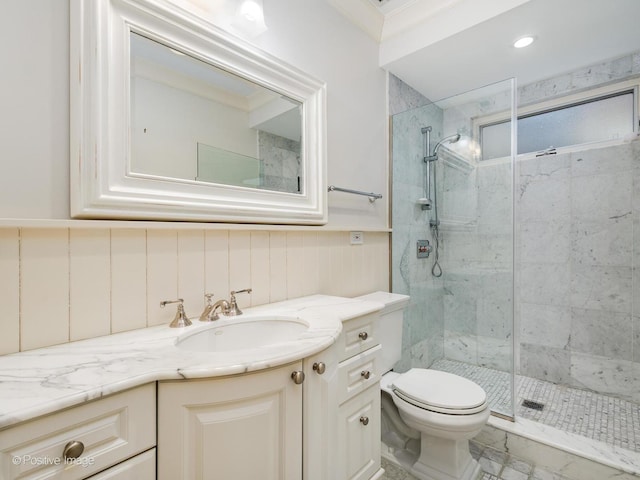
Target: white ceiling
[{"x": 446, "y": 47}]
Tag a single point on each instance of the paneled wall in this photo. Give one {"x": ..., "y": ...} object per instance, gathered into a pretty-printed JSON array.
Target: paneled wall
[{"x": 64, "y": 284}]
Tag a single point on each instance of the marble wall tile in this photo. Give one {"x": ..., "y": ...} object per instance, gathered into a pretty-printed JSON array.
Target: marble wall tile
[
  {"x": 546, "y": 363},
  {"x": 601, "y": 288},
  {"x": 607, "y": 242},
  {"x": 495, "y": 306},
  {"x": 544, "y": 200},
  {"x": 460, "y": 250},
  {"x": 601, "y": 197},
  {"x": 603, "y": 160},
  {"x": 496, "y": 250},
  {"x": 461, "y": 347},
  {"x": 605, "y": 375},
  {"x": 548, "y": 284},
  {"x": 494, "y": 196},
  {"x": 602, "y": 333},
  {"x": 636, "y": 340},
  {"x": 544, "y": 242},
  {"x": 402, "y": 97},
  {"x": 495, "y": 353},
  {"x": 540, "y": 169},
  {"x": 460, "y": 302},
  {"x": 547, "y": 325}
]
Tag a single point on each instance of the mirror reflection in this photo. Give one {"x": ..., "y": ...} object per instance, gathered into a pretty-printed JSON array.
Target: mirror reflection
[{"x": 194, "y": 122}]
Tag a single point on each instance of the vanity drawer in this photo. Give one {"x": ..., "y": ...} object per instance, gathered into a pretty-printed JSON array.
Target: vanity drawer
[
  {"x": 140, "y": 467},
  {"x": 358, "y": 334},
  {"x": 358, "y": 373},
  {"x": 358, "y": 438},
  {"x": 111, "y": 429}
]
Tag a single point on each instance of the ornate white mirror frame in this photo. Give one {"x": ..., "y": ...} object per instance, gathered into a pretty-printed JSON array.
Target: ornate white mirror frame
[{"x": 102, "y": 184}]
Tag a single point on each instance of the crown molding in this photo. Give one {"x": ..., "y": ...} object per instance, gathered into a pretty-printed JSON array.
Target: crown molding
[{"x": 363, "y": 14}]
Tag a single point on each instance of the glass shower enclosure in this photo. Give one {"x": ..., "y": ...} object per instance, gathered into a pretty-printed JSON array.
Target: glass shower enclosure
[{"x": 453, "y": 234}]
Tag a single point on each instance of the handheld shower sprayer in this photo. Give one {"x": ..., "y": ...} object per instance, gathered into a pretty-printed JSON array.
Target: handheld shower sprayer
[{"x": 450, "y": 139}]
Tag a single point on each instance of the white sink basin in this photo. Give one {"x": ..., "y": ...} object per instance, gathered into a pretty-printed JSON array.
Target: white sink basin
[{"x": 243, "y": 334}]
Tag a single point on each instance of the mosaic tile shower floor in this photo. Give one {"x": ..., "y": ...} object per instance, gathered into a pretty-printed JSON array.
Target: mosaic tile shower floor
[{"x": 598, "y": 417}]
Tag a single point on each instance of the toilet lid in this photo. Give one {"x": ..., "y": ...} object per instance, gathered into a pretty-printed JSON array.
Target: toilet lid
[{"x": 440, "y": 391}]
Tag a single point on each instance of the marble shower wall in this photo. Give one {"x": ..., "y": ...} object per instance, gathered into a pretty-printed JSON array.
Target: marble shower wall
[
  {"x": 578, "y": 239},
  {"x": 477, "y": 246}
]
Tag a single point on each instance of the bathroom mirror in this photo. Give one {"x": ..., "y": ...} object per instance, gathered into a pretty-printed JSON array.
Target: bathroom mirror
[{"x": 175, "y": 119}]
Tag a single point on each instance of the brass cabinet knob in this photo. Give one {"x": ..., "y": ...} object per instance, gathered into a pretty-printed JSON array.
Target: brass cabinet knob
[
  {"x": 363, "y": 335},
  {"x": 319, "y": 367},
  {"x": 297, "y": 377},
  {"x": 366, "y": 374},
  {"x": 72, "y": 450},
  {"x": 364, "y": 421}
]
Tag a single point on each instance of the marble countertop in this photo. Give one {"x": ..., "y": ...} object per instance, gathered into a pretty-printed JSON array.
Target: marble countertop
[{"x": 42, "y": 381}]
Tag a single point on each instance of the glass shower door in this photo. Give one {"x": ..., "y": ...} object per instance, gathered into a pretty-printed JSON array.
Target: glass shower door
[{"x": 456, "y": 207}]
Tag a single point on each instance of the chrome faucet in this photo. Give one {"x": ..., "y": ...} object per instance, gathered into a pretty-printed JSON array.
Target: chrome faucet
[{"x": 227, "y": 308}]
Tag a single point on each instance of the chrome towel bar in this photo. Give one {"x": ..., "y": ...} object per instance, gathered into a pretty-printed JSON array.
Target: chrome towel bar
[{"x": 372, "y": 196}]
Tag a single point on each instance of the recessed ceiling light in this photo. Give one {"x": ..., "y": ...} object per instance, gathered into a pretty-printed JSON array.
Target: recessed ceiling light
[{"x": 523, "y": 41}]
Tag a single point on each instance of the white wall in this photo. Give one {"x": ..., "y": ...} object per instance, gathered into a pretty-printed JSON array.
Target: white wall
[{"x": 309, "y": 34}]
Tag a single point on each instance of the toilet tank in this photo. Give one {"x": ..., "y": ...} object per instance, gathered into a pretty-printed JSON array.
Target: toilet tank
[{"x": 390, "y": 328}]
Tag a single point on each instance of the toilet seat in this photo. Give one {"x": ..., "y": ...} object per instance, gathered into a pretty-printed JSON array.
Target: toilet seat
[{"x": 440, "y": 392}]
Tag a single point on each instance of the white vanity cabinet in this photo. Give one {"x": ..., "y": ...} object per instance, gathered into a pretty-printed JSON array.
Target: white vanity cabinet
[
  {"x": 237, "y": 427},
  {"x": 111, "y": 432},
  {"x": 342, "y": 406}
]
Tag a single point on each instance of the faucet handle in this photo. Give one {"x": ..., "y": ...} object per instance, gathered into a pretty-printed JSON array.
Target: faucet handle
[
  {"x": 181, "y": 319},
  {"x": 233, "y": 305},
  {"x": 208, "y": 308}
]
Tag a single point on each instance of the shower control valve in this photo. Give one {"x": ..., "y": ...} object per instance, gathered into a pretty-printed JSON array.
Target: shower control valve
[{"x": 423, "y": 249}]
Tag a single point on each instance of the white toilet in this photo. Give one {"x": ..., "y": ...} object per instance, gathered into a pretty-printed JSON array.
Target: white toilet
[{"x": 428, "y": 416}]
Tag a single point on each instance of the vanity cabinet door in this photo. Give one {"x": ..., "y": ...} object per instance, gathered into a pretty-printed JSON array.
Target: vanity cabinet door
[
  {"x": 359, "y": 436},
  {"x": 238, "y": 427},
  {"x": 320, "y": 412}
]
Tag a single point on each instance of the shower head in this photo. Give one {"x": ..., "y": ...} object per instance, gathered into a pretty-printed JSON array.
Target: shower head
[{"x": 450, "y": 139}]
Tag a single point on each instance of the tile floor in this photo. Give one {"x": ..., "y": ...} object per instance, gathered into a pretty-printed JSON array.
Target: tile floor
[
  {"x": 495, "y": 465},
  {"x": 598, "y": 417}
]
